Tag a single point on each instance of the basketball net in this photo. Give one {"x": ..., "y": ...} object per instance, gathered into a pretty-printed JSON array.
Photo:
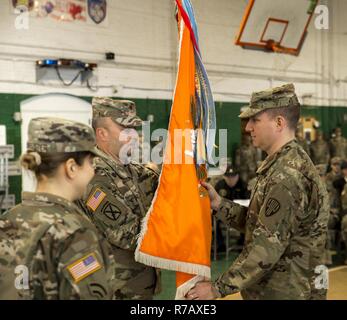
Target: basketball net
[{"x": 282, "y": 60}]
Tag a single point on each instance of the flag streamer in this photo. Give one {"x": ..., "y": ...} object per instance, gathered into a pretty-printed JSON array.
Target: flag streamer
[{"x": 176, "y": 231}]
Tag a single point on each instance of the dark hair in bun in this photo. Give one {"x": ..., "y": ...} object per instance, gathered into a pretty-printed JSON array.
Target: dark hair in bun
[{"x": 47, "y": 163}]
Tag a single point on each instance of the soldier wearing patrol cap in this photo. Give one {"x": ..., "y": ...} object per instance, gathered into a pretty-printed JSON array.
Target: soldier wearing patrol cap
[
  {"x": 335, "y": 170},
  {"x": 338, "y": 145},
  {"x": 332, "y": 221},
  {"x": 301, "y": 140},
  {"x": 340, "y": 185},
  {"x": 341, "y": 188},
  {"x": 285, "y": 224},
  {"x": 319, "y": 150},
  {"x": 46, "y": 238},
  {"x": 333, "y": 175},
  {"x": 119, "y": 196},
  {"x": 344, "y": 218},
  {"x": 340, "y": 182}
]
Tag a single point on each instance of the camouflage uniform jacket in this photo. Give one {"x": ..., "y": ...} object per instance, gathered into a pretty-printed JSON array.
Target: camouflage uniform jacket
[
  {"x": 303, "y": 143},
  {"x": 124, "y": 194},
  {"x": 285, "y": 230},
  {"x": 65, "y": 256},
  {"x": 338, "y": 146},
  {"x": 335, "y": 201},
  {"x": 320, "y": 153},
  {"x": 344, "y": 200}
]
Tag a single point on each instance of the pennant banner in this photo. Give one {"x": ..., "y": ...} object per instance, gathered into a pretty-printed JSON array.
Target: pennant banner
[{"x": 176, "y": 232}]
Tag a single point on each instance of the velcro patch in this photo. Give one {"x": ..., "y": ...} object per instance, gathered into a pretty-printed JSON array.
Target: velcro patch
[
  {"x": 95, "y": 199},
  {"x": 223, "y": 193},
  {"x": 111, "y": 211},
  {"x": 84, "y": 267},
  {"x": 272, "y": 206}
]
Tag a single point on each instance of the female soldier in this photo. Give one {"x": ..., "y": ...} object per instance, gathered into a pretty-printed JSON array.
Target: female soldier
[{"x": 48, "y": 248}]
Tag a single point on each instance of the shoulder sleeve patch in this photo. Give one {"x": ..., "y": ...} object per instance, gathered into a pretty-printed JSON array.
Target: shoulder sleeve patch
[
  {"x": 272, "y": 207},
  {"x": 222, "y": 192},
  {"x": 84, "y": 267},
  {"x": 111, "y": 211},
  {"x": 95, "y": 199}
]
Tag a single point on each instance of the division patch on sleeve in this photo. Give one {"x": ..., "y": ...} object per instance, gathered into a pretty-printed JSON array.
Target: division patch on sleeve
[
  {"x": 272, "y": 207},
  {"x": 84, "y": 267},
  {"x": 95, "y": 199}
]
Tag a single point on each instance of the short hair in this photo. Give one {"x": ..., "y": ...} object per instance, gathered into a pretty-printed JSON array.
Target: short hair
[
  {"x": 291, "y": 114},
  {"x": 98, "y": 123}
]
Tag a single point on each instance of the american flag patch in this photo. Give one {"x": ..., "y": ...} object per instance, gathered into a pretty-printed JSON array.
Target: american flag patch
[
  {"x": 84, "y": 267},
  {"x": 95, "y": 199}
]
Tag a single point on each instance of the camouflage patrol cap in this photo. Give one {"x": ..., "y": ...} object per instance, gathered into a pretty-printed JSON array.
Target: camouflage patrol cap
[
  {"x": 122, "y": 112},
  {"x": 336, "y": 160},
  {"x": 322, "y": 169},
  {"x": 278, "y": 97},
  {"x": 48, "y": 135}
]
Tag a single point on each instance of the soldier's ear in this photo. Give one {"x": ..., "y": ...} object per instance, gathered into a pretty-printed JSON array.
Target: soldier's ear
[
  {"x": 70, "y": 168},
  {"x": 101, "y": 133},
  {"x": 280, "y": 122}
]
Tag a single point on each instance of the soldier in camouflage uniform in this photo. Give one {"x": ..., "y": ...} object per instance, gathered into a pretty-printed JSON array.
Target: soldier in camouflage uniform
[
  {"x": 331, "y": 176},
  {"x": 58, "y": 251},
  {"x": 341, "y": 180},
  {"x": 341, "y": 186},
  {"x": 302, "y": 141},
  {"x": 246, "y": 159},
  {"x": 286, "y": 223},
  {"x": 119, "y": 196},
  {"x": 338, "y": 145},
  {"x": 334, "y": 196},
  {"x": 344, "y": 218},
  {"x": 320, "y": 153},
  {"x": 335, "y": 201},
  {"x": 332, "y": 222}
]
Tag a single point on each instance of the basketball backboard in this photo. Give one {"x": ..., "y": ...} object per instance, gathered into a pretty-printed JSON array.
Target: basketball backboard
[{"x": 279, "y": 25}]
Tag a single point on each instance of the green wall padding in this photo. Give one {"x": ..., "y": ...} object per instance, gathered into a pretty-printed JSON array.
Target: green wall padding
[
  {"x": 329, "y": 118},
  {"x": 226, "y": 112}
]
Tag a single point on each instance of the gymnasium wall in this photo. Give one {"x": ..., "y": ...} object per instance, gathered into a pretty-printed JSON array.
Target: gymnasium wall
[
  {"x": 227, "y": 118},
  {"x": 143, "y": 36}
]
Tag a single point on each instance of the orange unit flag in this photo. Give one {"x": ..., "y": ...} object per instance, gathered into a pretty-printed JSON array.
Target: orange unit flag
[{"x": 176, "y": 232}]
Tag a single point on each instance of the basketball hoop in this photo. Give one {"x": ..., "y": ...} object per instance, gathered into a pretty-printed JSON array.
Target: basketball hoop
[
  {"x": 275, "y": 26},
  {"x": 271, "y": 45}
]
